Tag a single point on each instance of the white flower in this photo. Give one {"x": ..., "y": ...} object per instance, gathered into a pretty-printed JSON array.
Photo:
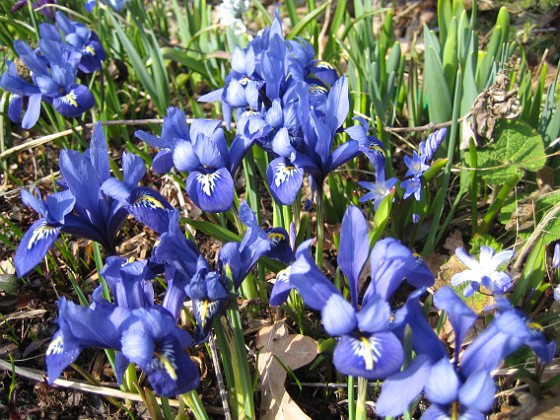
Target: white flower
[
  {"x": 483, "y": 272},
  {"x": 230, "y": 13}
]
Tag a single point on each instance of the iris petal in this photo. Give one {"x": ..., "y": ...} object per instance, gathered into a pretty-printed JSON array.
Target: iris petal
[
  {"x": 375, "y": 357},
  {"x": 338, "y": 316},
  {"x": 77, "y": 100},
  {"x": 284, "y": 180},
  {"x": 213, "y": 191},
  {"x": 34, "y": 245}
]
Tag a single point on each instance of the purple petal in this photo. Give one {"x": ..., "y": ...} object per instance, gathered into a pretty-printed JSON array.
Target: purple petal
[
  {"x": 400, "y": 389},
  {"x": 443, "y": 384},
  {"x": 375, "y": 357},
  {"x": 338, "y": 316},
  {"x": 354, "y": 248},
  {"x": 284, "y": 180},
  {"x": 212, "y": 192},
  {"x": 34, "y": 245}
]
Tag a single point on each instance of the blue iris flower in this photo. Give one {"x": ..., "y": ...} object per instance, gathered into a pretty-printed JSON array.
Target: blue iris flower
[
  {"x": 189, "y": 274},
  {"x": 174, "y": 130},
  {"x": 209, "y": 292},
  {"x": 78, "y": 37},
  {"x": 462, "y": 387},
  {"x": 240, "y": 257},
  {"x": 84, "y": 209},
  {"x": 202, "y": 151},
  {"x": 42, "y": 234},
  {"x": 116, "y": 5},
  {"x": 291, "y": 105},
  {"x": 370, "y": 146},
  {"x": 129, "y": 281},
  {"x": 179, "y": 257},
  {"x": 367, "y": 346},
  {"x": 313, "y": 153},
  {"x": 145, "y": 204},
  {"x": 152, "y": 340},
  {"x": 53, "y": 73},
  {"x": 145, "y": 336}
]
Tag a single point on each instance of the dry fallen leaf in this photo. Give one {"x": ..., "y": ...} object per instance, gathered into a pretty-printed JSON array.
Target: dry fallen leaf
[{"x": 294, "y": 351}]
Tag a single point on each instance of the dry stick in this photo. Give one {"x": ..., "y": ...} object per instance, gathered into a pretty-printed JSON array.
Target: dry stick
[
  {"x": 39, "y": 376},
  {"x": 219, "y": 377},
  {"x": 530, "y": 243},
  {"x": 46, "y": 139},
  {"x": 426, "y": 127}
]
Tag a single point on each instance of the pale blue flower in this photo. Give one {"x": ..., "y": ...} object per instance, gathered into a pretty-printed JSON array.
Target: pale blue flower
[{"x": 484, "y": 272}]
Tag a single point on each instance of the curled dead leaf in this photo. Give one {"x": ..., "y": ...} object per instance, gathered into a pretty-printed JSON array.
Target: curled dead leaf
[{"x": 294, "y": 351}]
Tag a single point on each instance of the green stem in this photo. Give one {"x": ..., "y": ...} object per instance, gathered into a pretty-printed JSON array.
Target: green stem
[
  {"x": 498, "y": 202},
  {"x": 361, "y": 412},
  {"x": 244, "y": 388},
  {"x": 351, "y": 398},
  {"x": 320, "y": 228},
  {"x": 192, "y": 400}
]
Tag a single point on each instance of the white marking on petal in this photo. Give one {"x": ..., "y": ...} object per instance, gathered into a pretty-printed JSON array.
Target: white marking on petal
[
  {"x": 70, "y": 99},
  {"x": 165, "y": 359},
  {"x": 208, "y": 182},
  {"x": 56, "y": 346},
  {"x": 368, "y": 349},
  {"x": 41, "y": 232},
  {"x": 88, "y": 50},
  {"x": 283, "y": 172}
]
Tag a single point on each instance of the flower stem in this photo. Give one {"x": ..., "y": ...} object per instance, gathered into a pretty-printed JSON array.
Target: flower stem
[
  {"x": 244, "y": 388},
  {"x": 361, "y": 411},
  {"x": 320, "y": 228},
  {"x": 192, "y": 400},
  {"x": 351, "y": 396}
]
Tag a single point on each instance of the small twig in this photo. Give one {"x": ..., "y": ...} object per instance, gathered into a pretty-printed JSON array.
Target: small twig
[
  {"x": 39, "y": 376},
  {"x": 23, "y": 315},
  {"x": 70, "y": 131},
  {"x": 426, "y": 127},
  {"x": 530, "y": 243},
  {"x": 219, "y": 377}
]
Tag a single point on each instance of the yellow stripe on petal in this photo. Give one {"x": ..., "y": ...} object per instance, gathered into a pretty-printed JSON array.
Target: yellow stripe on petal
[
  {"x": 149, "y": 200},
  {"x": 367, "y": 353},
  {"x": 169, "y": 367}
]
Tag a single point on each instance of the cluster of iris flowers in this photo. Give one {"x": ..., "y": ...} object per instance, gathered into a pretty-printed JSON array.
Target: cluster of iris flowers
[
  {"x": 49, "y": 72},
  {"x": 292, "y": 106}
]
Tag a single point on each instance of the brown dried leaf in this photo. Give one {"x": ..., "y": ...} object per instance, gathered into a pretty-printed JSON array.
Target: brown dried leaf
[
  {"x": 294, "y": 351},
  {"x": 454, "y": 241}
]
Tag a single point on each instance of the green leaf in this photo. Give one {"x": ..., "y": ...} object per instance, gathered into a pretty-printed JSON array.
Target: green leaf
[
  {"x": 216, "y": 231},
  {"x": 437, "y": 92},
  {"x": 184, "y": 59},
  {"x": 450, "y": 59},
  {"x": 9, "y": 284},
  {"x": 310, "y": 17},
  {"x": 517, "y": 147},
  {"x": 544, "y": 203}
]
